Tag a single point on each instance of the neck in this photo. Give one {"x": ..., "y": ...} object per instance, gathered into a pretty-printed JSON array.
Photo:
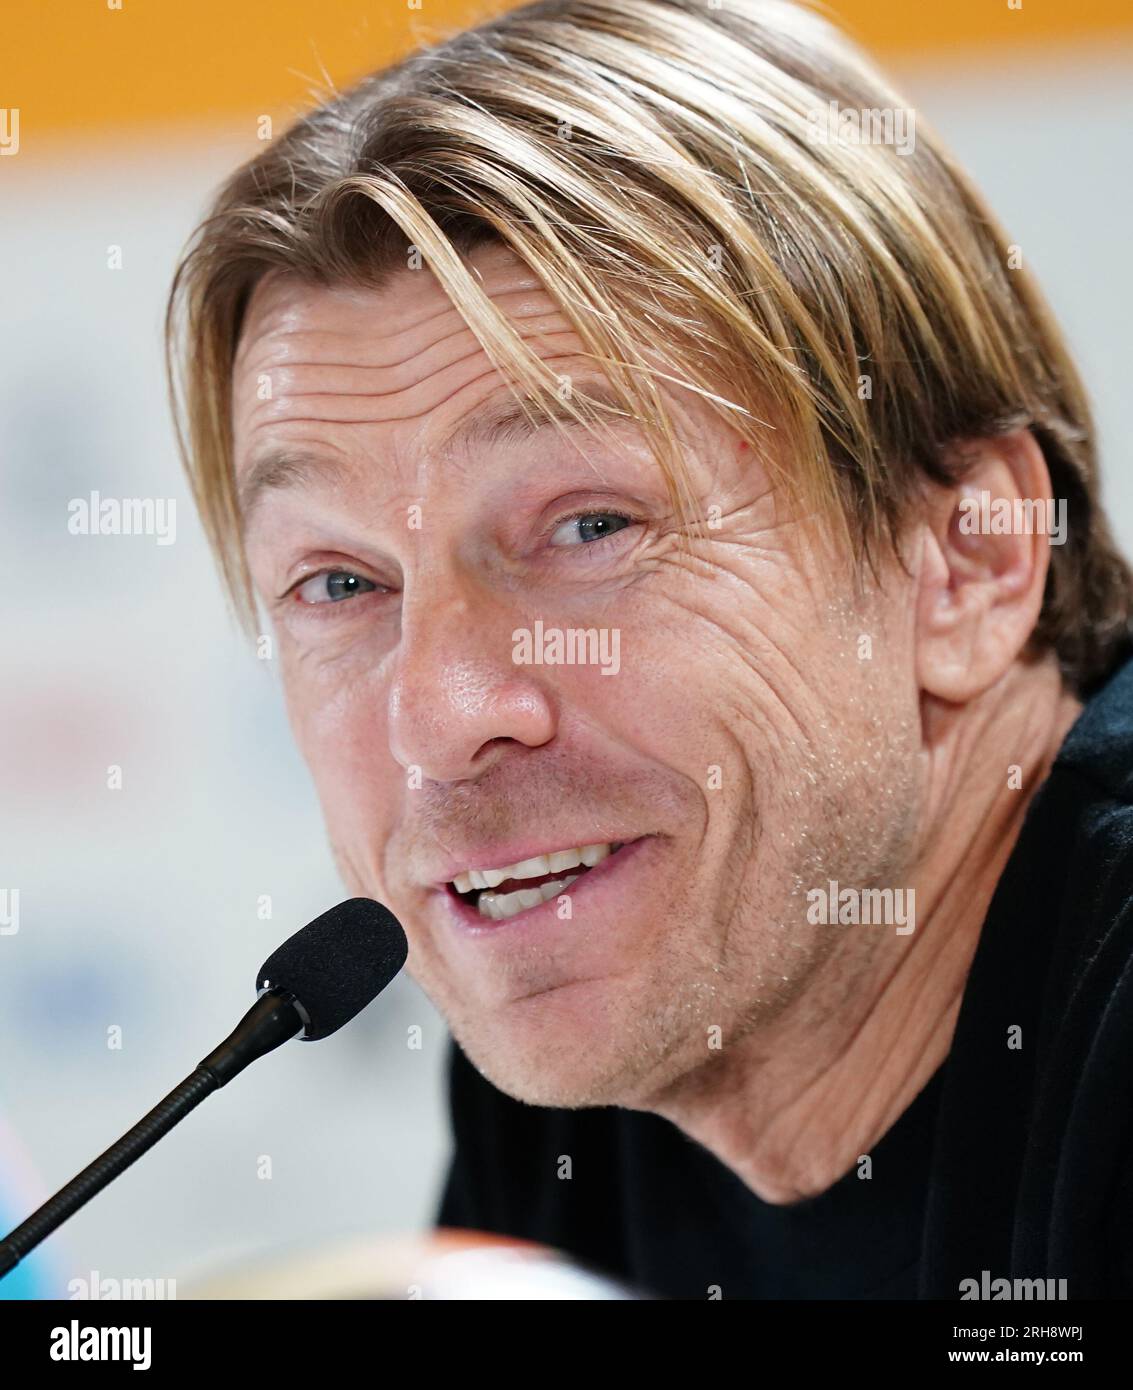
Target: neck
[{"x": 790, "y": 1110}]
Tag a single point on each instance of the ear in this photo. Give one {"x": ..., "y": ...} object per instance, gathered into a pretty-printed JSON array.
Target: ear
[{"x": 984, "y": 561}]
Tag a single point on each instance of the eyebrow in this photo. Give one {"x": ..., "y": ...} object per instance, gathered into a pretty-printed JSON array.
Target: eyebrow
[{"x": 500, "y": 421}]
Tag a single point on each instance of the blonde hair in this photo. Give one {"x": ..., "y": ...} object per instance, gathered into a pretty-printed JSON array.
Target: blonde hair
[{"x": 655, "y": 163}]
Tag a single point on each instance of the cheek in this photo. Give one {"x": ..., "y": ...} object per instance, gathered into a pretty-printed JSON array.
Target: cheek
[
  {"x": 340, "y": 731},
  {"x": 669, "y": 709}
]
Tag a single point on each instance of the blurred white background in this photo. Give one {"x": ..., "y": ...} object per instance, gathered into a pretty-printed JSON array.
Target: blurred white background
[{"x": 138, "y": 907}]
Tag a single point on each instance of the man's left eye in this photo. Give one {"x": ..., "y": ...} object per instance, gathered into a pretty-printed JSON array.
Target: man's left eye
[
  {"x": 589, "y": 527},
  {"x": 333, "y": 586}
]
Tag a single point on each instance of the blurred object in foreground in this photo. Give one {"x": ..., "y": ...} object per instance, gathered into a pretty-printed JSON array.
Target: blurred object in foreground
[
  {"x": 21, "y": 1192},
  {"x": 447, "y": 1264}
]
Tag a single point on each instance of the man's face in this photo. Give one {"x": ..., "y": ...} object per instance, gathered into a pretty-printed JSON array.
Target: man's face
[{"x": 734, "y": 736}]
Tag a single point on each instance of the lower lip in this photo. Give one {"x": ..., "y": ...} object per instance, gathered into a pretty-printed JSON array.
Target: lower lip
[{"x": 598, "y": 883}]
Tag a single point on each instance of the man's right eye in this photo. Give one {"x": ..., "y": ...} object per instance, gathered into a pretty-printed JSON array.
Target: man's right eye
[{"x": 332, "y": 586}]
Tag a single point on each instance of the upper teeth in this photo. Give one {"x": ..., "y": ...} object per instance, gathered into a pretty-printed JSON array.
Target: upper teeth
[{"x": 558, "y": 862}]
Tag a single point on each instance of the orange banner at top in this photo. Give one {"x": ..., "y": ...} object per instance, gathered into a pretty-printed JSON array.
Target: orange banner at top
[{"x": 76, "y": 66}]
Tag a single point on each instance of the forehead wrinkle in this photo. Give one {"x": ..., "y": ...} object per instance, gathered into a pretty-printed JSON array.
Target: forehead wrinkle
[
  {"x": 490, "y": 422},
  {"x": 273, "y": 409},
  {"x": 260, "y": 330},
  {"x": 502, "y": 419},
  {"x": 491, "y": 430},
  {"x": 272, "y": 347},
  {"x": 496, "y": 420},
  {"x": 427, "y": 358}
]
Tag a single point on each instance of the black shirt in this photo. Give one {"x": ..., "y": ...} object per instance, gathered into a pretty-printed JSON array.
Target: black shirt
[{"x": 1015, "y": 1159}]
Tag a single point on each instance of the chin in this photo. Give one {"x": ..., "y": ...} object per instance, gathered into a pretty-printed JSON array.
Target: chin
[
  {"x": 565, "y": 1066},
  {"x": 562, "y": 1088}
]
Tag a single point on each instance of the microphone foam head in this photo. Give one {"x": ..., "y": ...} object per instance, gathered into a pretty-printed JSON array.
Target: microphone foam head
[{"x": 338, "y": 963}]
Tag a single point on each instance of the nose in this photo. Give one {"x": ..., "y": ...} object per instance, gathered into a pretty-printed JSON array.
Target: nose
[{"x": 457, "y": 698}]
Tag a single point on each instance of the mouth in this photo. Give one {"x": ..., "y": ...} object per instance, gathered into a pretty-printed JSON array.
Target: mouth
[{"x": 499, "y": 894}]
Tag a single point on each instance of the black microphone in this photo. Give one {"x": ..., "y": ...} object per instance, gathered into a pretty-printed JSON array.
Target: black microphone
[{"x": 313, "y": 984}]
